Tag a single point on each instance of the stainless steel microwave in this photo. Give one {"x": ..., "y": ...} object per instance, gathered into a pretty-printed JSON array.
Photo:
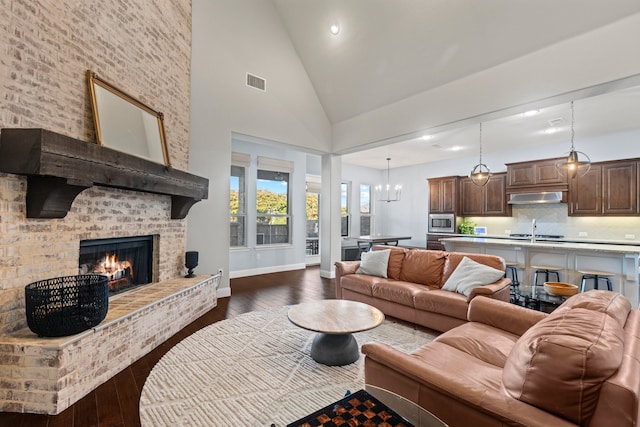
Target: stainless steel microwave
[{"x": 442, "y": 223}]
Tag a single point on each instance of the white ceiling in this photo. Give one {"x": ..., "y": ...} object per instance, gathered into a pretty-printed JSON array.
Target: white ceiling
[
  {"x": 388, "y": 50},
  {"x": 616, "y": 111}
]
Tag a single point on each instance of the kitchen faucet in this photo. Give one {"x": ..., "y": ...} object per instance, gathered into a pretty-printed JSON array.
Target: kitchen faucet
[{"x": 533, "y": 230}]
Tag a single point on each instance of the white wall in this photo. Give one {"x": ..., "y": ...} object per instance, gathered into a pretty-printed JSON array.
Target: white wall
[
  {"x": 231, "y": 38},
  {"x": 356, "y": 175},
  {"x": 253, "y": 259}
]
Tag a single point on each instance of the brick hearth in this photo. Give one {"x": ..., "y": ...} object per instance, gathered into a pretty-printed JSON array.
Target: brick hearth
[{"x": 47, "y": 375}]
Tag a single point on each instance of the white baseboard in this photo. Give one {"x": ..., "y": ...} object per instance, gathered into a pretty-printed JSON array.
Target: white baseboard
[
  {"x": 265, "y": 270},
  {"x": 223, "y": 292},
  {"x": 331, "y": 274}
]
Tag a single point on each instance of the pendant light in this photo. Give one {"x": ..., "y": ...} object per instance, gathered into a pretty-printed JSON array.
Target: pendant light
[
  {"x": 480, "y": 174},
  {"x": 576, "y": 163},
  {"x": 397, "y": 188}
]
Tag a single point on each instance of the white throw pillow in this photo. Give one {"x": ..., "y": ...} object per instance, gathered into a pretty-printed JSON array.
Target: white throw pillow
[
  {"x": 374, "y": 263},
  {"x": 469, "y": 275}
]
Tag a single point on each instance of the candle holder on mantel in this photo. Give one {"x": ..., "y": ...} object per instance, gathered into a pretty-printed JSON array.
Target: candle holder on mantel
[{"x": 191, "y": 262}]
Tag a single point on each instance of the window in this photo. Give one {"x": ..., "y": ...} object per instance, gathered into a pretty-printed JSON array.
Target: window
[
  {"x": 313, "y": 217},
  {"x": 238, "y": 200},
  {"x": 365, "y": 209},
  {"x": 344, "y": 209},
  {"x": 273, "y": 219}
]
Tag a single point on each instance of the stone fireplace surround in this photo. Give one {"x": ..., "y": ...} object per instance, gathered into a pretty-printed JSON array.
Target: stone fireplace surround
[
  {"x": 47, "y": 375},
  {"x": 144, "y": 47}
]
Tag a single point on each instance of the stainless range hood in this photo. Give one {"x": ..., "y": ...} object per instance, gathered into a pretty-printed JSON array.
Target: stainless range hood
[{"x": 535, "y": 198}]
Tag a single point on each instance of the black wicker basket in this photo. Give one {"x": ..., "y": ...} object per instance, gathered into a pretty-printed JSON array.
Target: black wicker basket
[{"x": 66, "y": 305}]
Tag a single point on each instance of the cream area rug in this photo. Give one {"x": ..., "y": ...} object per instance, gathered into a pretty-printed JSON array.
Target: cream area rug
[{"x": 254, "y": 370}]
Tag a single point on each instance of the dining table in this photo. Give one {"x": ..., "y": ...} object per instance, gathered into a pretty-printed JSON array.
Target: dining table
[{"x": 369, "y": 241}]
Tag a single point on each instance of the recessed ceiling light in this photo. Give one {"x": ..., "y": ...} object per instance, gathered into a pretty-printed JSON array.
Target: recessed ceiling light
[
  {"x": 551, "y": 130},
  {"x": 335, "y": 29},
  {"x": 426, "y": 137},
  {"x": 530, "y": 113}
]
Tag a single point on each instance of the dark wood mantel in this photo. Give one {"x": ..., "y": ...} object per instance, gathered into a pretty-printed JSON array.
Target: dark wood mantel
[{"x": 59, "y": 167}]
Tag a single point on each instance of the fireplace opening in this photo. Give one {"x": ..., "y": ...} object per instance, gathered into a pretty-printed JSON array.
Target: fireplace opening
[{"x": 127, "y": 262}]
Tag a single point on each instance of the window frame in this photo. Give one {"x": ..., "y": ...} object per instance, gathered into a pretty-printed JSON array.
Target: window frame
[
  {"x": 368, "y": 215},
  {"x": 267, "y": 167},
  {"x": 345, "y": 205},
  {"x": 240, "y": 161}
]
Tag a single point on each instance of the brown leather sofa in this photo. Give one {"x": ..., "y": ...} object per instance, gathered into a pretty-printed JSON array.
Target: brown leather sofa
[
  {"x": 412, "y": 291},
  {"x": 579, "y": 365}
]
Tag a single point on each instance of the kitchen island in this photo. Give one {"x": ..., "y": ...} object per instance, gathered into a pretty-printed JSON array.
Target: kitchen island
[{"x": 622, "y": 261}]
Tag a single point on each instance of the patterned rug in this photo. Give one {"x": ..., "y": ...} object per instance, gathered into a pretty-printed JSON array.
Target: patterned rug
[{"x": 254, "y": 370}]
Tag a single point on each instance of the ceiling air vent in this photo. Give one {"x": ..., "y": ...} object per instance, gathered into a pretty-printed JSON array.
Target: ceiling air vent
[{"x": 256, "y": 82}]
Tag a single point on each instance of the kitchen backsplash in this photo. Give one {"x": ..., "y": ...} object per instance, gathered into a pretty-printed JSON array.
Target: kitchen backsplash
[{"x": 553, "y": 219}]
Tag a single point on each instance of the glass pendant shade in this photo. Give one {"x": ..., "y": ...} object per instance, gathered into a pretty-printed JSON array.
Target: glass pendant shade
[
  {"x": 575, "y": 163},
  {"x": 480, "y": 174}
]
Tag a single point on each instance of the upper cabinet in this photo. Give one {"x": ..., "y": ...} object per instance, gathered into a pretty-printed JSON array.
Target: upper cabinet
[
  {"x": 609, "y": 188},
  {"x": 538, "y": 175},
  {"x": 620, "y": 188},
  {"x": 443, "y": 195},
  {"x": 489, "y": 200},
  {"x": 585, "y": 193}
]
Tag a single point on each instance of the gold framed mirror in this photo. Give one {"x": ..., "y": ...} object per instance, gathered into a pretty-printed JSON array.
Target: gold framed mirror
[{"x": 125, "y": 124}]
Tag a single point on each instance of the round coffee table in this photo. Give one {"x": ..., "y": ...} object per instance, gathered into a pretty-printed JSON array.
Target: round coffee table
[{"x": 335, "y": 321}]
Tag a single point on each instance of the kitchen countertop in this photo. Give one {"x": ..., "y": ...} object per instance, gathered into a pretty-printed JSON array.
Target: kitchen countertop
[
  {"x": 547, "y": 244},
  {"x": 625, "y": 242}
]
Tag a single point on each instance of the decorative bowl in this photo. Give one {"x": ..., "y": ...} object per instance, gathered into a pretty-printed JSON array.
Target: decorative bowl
[{"x": 560, "y": 289}]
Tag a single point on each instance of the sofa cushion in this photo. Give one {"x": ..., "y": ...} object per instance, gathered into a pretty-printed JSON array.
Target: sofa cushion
[
  {"x": 442, "y": 302},
  {"x": 423, "y": 267},
  {"x": 359, "y": 283},
  {"x": 614, "y": 305},
  {"x": 396, "y": 291},
  {"x": 396, "y": 258},
  {"x": 560, "y": 363},
  {"x": 454, "y": 258},
  {"x": 469, "y": 275},
  {"x": 374, "y": 263},
  {"x": 484, "y": 342}
]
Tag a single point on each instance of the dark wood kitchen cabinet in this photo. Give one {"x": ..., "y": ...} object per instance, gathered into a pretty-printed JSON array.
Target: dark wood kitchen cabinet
[
  {"x": 620, "y": 188},
  {"x": 443, "y": 194},
  {"x": 489, "y": 200},
  {"x": 470, "y": 198},
  {"x": 585, "y": 193},
  {"x": 433, "y": 241},
  {"x": 608, "y": 189},
  {"x": 537, "y": 175}
]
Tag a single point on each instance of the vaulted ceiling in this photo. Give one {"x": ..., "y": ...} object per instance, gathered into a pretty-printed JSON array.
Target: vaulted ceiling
[{"x": 389, "y": 50}]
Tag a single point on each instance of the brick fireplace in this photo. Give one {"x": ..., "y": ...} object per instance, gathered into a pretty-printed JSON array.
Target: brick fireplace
[
  {"x": 48, "y": 49},
  {"x": 128, "y": 262}
]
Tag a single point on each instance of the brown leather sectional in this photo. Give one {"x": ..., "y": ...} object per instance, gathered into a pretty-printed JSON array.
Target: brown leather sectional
[
  {"x": 412, "y": 291},
  {"x": 510, "y": 365}
]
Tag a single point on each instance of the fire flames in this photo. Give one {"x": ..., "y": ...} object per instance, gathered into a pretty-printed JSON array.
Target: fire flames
[{"x": 115, "y": 270}]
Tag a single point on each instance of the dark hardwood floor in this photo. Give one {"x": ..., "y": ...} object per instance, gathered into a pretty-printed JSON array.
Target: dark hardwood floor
[{"x": 115, "y": 403}]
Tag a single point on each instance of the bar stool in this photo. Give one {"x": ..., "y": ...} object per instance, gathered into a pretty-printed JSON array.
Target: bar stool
[
  {"x": 596, "y": 276},
  {"x": 511, "y": 272},
  {"x": 548, "y": 271}
]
